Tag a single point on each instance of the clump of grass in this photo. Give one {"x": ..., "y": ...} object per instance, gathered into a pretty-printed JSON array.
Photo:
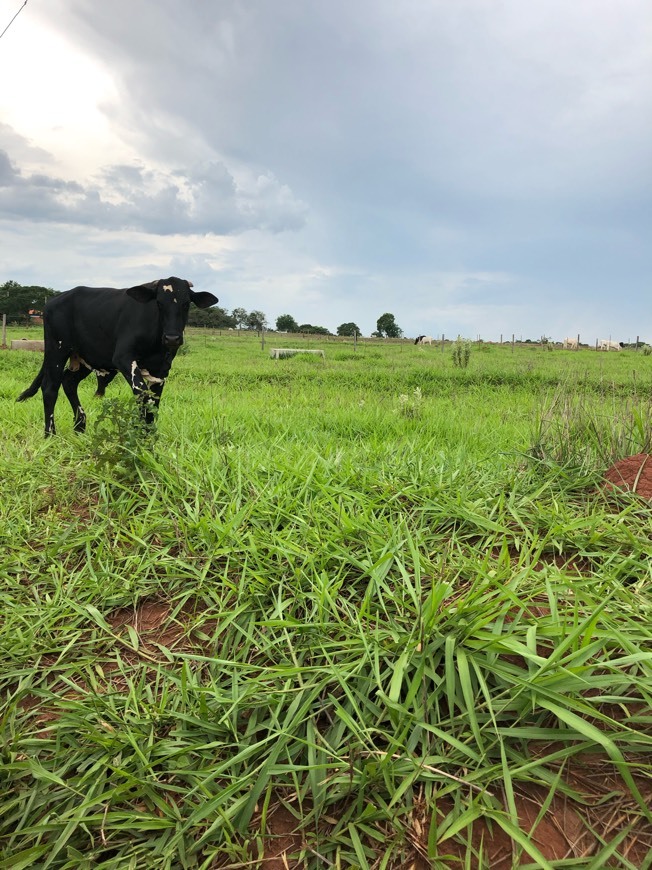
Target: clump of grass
[
  {"x": 461, "y": 352},
  {"x": 575, "y": 429}
]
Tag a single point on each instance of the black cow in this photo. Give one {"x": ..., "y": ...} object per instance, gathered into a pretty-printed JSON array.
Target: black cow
[{"x": 136, "y": 331}]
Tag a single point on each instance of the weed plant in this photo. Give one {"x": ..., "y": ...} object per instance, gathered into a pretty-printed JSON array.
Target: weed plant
[
  {"x": 411, "y": 405},
  {"x": 119, "y": 439},
  {"x": 461, "y": 352},
  {"x": 392, "y": 629}
]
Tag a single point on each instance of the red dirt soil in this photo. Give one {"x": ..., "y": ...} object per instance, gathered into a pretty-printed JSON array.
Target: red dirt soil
[{"x": 634, "y": 474}]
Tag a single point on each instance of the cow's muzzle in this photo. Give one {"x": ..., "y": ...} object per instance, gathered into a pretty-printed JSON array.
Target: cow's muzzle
[{"x": 172, "y": 342}]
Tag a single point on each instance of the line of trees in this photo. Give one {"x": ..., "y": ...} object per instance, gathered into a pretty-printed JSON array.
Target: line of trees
[
  {"x": 219, "y": 318},
  {"x": 386, "y": 327},
  {"x": 287, "y": 323},
  {"x": 16, "y": 301}
]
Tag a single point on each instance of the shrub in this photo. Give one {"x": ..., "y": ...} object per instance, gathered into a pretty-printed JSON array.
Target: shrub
[
  {"x": 461, "y": 352},
  {"x": 119, "y": 438}
]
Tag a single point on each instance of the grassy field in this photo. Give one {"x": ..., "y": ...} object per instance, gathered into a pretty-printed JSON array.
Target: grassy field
[{"x": 367, "y": 611}]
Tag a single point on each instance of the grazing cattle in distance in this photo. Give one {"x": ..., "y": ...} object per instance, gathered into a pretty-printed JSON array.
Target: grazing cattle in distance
[
  {"x": 424, "y": 339},
  {"x": 570, "y": 343},
  {"x": 607, "y": 344},
  {"x": 136, "y": 331}
]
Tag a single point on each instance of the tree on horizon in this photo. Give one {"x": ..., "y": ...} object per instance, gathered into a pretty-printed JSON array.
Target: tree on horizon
[{"x": 386, "y": 326}]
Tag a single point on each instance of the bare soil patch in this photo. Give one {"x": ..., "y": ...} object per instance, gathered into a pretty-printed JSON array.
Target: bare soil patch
[
  {"x": 282, "y": 840},
  {"x": 633, "y": 474}
]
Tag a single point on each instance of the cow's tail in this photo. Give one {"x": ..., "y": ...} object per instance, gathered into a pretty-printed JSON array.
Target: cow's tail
[{"x": 34, "y": 388}]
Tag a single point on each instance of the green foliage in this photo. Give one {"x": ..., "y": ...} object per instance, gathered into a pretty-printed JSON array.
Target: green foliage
[
  {"x": 309, "y": 329},
  {"x": 348, "y": 329},
  {"x": 214, "y": 317},
  {"x": 286, "y": 323},
  {"x": 386, "y": 326},
  {"x": 240, "y": 315},
  {"x": 256, "y": 320},
  {"x": 16, "y": 300},
  {"x": 461, "y": 352},
  {"x": 120, "y": 438}
]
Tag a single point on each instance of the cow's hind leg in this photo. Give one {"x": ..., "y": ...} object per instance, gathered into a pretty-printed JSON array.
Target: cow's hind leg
[
  {"x": 70, "y": 381},
  {"x": 52, "y": 375},
  {"x": 103, "y": 382}
]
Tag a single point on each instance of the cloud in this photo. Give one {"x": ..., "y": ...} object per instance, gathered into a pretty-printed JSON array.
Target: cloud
[
  {"x": 202, "y": 199},
  {"x": 432, "y": 159}
]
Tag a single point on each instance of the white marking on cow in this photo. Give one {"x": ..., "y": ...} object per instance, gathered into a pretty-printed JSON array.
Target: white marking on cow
[
  {"x": 150, "y": 378},
  {"x": 168, "y": 288},
  {"x": 134, "y": 369},
  {"x": 73, "y": 365}
]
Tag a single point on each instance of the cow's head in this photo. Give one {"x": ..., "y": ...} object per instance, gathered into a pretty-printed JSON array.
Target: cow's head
[{"x": 173, "y": 297}]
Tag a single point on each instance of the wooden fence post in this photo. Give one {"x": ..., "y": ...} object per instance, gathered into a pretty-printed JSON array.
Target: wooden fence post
[
  {"x": 512, "y": 342},
  {"x": 4, "y": 331},
  {"x": 442, "y": 342}
]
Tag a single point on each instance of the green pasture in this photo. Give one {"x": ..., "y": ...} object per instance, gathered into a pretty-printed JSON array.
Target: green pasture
[{"x": 376, "y": 595}]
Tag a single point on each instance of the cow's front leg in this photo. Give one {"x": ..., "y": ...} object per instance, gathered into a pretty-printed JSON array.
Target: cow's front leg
[
  {"x": 155, "y": 386},
  {"x": 135, "y": 377}
]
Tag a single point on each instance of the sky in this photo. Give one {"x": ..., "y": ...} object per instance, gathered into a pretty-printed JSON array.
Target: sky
[{"x": 474, "y": 167}]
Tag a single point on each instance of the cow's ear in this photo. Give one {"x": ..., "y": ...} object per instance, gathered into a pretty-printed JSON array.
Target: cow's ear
[
  {"x": 203, "y": 299},
  {"x": 143, "y": 292}
]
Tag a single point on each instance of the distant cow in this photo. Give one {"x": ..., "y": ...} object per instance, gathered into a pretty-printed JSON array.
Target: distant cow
[
  {"x": 570, "y": 343},
  {"x": 424, "y": 339},
  {"x": 136, "y": 331},
  {"x": 607, "y": 344}
]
